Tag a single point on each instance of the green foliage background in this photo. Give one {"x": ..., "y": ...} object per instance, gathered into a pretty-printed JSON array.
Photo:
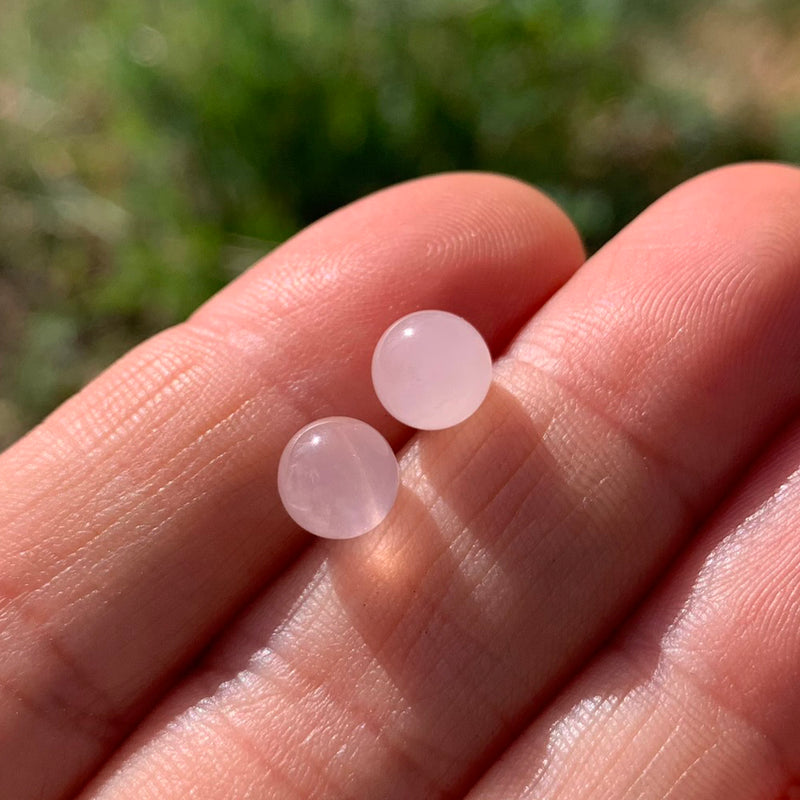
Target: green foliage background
[{"x": 150, "y": 151}]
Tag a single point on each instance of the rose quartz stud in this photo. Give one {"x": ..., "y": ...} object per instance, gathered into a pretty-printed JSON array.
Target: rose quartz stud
[
  {"x": 338, "y": 477},
  {"x": 431, "y": 370}
]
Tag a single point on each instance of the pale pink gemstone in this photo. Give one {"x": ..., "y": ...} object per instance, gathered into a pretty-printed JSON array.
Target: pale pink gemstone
[
  {"x": 338, "y": 477},
  {"x": 431, "y": 370}
]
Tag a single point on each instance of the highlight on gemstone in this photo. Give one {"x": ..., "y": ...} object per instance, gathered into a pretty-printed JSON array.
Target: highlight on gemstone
[
  {"x": 338, "y": 477},
  {"x": 431, "y": 369}
]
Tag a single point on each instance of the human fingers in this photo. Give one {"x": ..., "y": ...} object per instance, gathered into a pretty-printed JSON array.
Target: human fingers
[
  {"x": 143, "y": 512},
  {"x": 401, "y": 664},
  {"x": 698, "y": 697}
]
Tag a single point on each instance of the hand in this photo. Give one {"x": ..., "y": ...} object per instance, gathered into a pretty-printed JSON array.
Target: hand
[{"x": 591, "y": 588}]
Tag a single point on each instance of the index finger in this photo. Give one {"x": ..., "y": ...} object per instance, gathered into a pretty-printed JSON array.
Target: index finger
[{"x": 139, "y": 516}]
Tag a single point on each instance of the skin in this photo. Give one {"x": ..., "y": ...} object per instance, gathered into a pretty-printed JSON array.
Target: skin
[{"x": 590, "y": 588}]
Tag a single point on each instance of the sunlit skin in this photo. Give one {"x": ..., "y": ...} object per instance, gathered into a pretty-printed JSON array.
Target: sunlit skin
[{"x": 590, "y": 588}]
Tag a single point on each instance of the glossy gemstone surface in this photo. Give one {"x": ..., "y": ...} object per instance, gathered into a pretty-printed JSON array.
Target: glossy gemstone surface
[
  {"x": 431, "y": 369},
  {"x": 338, "y": 477}
]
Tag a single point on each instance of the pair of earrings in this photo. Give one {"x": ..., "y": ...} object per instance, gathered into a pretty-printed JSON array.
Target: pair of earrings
[{"x": 338, "y": 477}]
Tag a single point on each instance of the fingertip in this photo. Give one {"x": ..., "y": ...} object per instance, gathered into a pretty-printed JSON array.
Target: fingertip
[
  {"x": 737, "y": 200},
  {"x": 523, "y": 214},
  {"x": 488, "y": 247}
]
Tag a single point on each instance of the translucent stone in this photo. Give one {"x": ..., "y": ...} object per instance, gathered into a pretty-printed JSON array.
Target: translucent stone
[
  {"x": 431, "y": 370},
  {"x": 338, "y": 477}
]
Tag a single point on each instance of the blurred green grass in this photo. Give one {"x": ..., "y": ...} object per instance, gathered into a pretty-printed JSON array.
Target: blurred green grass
[{"x": 149, "y": 152}]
